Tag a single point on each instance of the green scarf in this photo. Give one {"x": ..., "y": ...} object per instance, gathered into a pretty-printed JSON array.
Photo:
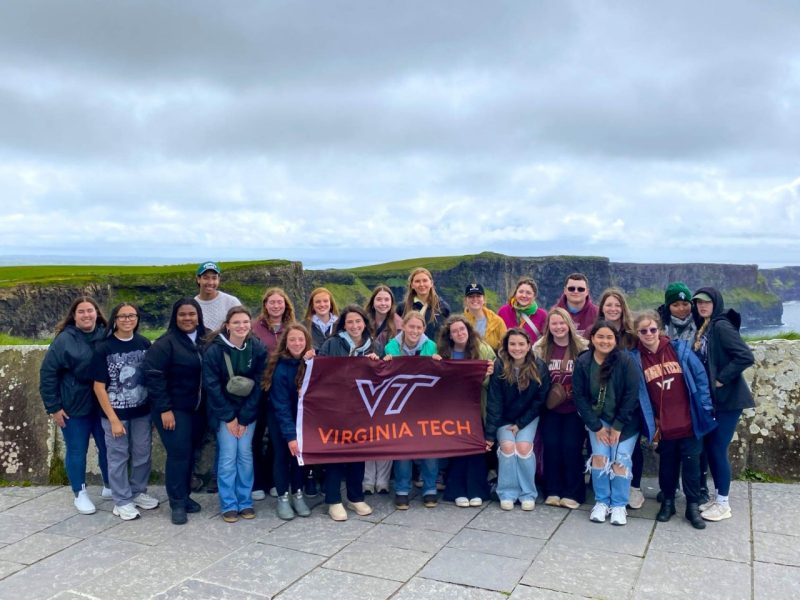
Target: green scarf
[{"x": 526, "y": 311}]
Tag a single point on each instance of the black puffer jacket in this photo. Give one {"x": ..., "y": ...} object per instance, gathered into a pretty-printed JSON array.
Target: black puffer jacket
[
  {"x": 65, "y": 378},
  {"x": 433, "y": 322},
  {"x": 726, "y": 356},
  {"x": 173, "y": 371},
  {"x": 507, "y": 405},
  {"x": 338, "y": 346}
]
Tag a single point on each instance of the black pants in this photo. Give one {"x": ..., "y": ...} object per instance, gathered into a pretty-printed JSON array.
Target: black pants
[
  {"x": 352, "y": 473},
  {"x": 262, "y": 453},
  {"x": 285, "y": 470},
  {"x": 681, "y": 456},
  {"x": 563, "y": 435},
  {"x": 180, "y": 444},
  {"x": 637, "y": 468},
  {"x": 466, "y": 477}
]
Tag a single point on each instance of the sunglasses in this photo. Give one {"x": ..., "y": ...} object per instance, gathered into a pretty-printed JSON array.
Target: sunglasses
[
  {"x": 647, "y": 330},
  {"x": 573, "y": 288}
]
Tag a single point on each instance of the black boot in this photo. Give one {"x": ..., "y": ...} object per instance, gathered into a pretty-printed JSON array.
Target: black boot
[
  {"x": 667, "y": 510},
  {"x": 693, "y": 516}
]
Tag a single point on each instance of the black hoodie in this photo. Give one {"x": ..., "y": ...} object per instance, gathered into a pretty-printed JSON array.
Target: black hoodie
[{"x": 726, "y": 356}]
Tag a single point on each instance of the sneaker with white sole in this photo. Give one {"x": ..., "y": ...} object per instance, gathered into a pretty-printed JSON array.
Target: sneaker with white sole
[
  {"x": 599, "y": 513},
  {"x": 712, "y": 500},
  {"x": 145, "y": 501},
  {"x": 126, "y": 512},
  {"x": 477, "y": 501},
  {"x": 636, "y": 498},
  {"x": 106, "y": 493},
  {"x": 462, "y": 501},
  {"x": 258, "y": 495},
  {"x": 528, "y": 504},
  {"x": 717, "y": 512},
  {"x": 362, "y": 509},
  {"x": 83, "y": 503},
  {"x": 619, "y": 516},
  {"x": 507, "y": 504},
  {"x": 337, "y": 512}
]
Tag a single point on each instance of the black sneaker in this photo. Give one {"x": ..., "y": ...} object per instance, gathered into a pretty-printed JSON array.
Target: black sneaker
[
  {"x": 212, "y": 488},
  {"x": 179, "y": 516},
  {"x": 430, "y": 500},
  {"x": 310, "y": 488},
  {"x": 401, "y": 501},
  {"x": 192, "y": 506}
]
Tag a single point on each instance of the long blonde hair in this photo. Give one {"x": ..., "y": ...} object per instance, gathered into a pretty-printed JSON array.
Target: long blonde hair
[
  {"x": 434, "y": 304},
  {"x": 543, "y": 348}
]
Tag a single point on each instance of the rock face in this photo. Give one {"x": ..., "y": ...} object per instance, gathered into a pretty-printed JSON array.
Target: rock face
[
  {"x": 767, "y": 439},
  {"x": 785, "y": 282}
]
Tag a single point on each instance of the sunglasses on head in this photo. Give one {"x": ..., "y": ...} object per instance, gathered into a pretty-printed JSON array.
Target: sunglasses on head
[
  {"x": 574, "y": 288},
  {"x": 647, "y": 330}
]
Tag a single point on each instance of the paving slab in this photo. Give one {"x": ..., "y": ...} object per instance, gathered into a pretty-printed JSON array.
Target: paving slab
[
  {"x": 408, "y": 538},
  {"x": 84, "y": 526},
  {"x": 379, "y": 561},
  {"x": 584, "y": 569},
  {"x": 316, "y": 535},
  {"x": 36, "y": 547},
  {"x": 772, "y": 582},
  {"x": 427, "y": 589},
  {"x": 665, "y": 574},
  {"x": 49, "y": 508},
  {"x": 152, "y": 528},
  {"x": 327, "y": 584},
  {"x": 539, "y": 523},
  {"x": 488, "y": 571},
  {"x": 14, "y": 528},
  {"x": 773, "y": 513},
  {"x": 8, "y": 501},
  {"x": 260, "y": 569},
  {"x": 630, "y": 539},
  {"x": 776, "y": 548},
  {"x": 193, "y": 589},
  {"x": 787, "y": 488},
  {"x": 723, "y": 539},
  {"x": 498, "y": 544},
  {"x": 30, "y": 491},
  {"x": 447, "y": 518},
  {"x": 7, "y": 568},
  {"x": 62, "y": 571},
  {"x": 523, "y": 592}
]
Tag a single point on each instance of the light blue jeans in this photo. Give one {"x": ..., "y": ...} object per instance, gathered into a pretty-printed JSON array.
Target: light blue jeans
[
  {"x": 235, "y": 469},
  {"x": 429, "y": 469},
  {"x": 609, "y": 488},
  {"x": 516, "y": 473}
]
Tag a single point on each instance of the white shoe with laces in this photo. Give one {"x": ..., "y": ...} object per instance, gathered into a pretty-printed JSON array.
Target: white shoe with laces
[
  {"x": 126, "y": 512},
  {"x": 717, "y": 512},
  {"x": 83, "y": 503},
  {"x": 528, "y": 504},
  {"x": 106, "y": 493},
  {"x": 145, "y": 501},
  {"x": 599, "y": 513},
  {"x": 477, "y": 501},
  {"x": 462, "y": 501},
  {"x": 619, "y": 516}
]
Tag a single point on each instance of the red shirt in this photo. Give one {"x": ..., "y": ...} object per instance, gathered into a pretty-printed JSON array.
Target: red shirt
[{"x": 667, "y": 390}]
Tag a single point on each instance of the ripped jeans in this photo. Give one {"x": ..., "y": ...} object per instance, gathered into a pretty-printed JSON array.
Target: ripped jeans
[
  {"x": 609, "y": 488},
  {"x": 516, "y": 470}
]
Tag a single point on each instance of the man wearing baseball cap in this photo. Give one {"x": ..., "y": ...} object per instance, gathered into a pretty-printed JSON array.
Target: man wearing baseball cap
[
  {"x": 488, "y": 324},
  {"x": 214, "y": 303}
]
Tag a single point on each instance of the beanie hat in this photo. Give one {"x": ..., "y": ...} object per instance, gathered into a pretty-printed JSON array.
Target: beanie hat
[{"x": 677, "y": 291}]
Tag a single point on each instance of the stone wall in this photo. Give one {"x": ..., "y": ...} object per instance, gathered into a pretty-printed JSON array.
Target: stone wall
[{"x": 767, "y": 439}]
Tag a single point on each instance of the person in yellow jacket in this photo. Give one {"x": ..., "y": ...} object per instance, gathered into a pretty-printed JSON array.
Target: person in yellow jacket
[{"x": 488, "y": 324}]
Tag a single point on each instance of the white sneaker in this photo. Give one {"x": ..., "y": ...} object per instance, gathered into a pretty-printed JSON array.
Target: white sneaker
[
  {"x": 106, "y": 493},
  {"x": 507, "y": 504},
  {"x": 82, "y": 502},
  {"x": 462, "y": 501},
  {"x": 145, "y": 501},
  {"x": 619, "y": 516},
  {"x": 476, "y": 501},
  {"x": 258, "y": 495},
  {"x": 717, "y": 512},
  {"x": 636, "y": 498},
  {"x": 599, "y": 513},
  {"x": 712, "y": 500},
  {"x": 126, "y": 512},
  {"x": 528, "y": 504},
  {"x": 273, "y": 492}
]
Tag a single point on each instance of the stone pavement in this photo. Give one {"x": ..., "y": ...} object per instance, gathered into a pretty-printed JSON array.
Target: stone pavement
[{"x": 49, "y": 551}]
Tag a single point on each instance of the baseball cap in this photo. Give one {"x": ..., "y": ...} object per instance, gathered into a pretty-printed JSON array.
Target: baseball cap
[
  {"x": 208, "y": 266},
  {"x": 474, "y": 288}
]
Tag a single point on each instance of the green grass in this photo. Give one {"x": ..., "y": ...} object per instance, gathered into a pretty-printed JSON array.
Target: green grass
[
  {"x": 7, "y": 483},
  {"x": 758, "y": 477},
  {"x": 736, "y": 296},
  {"x": 11, "y": 340},
  {"x": 645, "y": 298},
  {"x": 787, "y": 335},
  {"x": 433, "y": 263}
]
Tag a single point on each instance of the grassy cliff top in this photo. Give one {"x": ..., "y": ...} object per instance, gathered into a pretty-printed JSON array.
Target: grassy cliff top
[{"x": 48, "y": 274}]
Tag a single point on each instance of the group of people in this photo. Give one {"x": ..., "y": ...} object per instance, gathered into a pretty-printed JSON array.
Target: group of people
[{"x": 554, "y": 380}]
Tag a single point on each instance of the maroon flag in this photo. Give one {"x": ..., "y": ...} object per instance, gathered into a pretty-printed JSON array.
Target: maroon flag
[{"x": 353, "y": 409}]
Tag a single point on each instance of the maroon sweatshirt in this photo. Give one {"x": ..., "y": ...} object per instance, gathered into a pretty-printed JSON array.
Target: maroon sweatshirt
[
  {"x": 667, "y": 390},
  {"x": 584, "y": 318}
]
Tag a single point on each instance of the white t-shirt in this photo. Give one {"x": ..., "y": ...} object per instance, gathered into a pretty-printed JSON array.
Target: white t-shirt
[{"x": 215, "y": 311}]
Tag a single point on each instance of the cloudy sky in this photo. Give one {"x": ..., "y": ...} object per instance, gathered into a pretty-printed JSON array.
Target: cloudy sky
[{"x": 338, "y": 132}]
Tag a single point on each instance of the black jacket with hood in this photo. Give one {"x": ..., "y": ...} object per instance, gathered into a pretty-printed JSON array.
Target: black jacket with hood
[
  {"x": 506, "y": 404},
  {"x": 726, "y": 356},
  {"x": 173, "y": 368}
]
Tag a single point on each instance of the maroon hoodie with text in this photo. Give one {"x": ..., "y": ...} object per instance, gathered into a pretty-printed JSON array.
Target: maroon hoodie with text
[{"x": 584, "y": 318}]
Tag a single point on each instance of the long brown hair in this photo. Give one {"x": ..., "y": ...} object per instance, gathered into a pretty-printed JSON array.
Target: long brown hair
[
  {"x": 70, "y": 318},
  {"x": 445, "y": 343},
  {"x": 434, "y": 305},
  {"x": 544, "y": 346},
  {"x": 288, "y": 313},
  {"x": 390, "y": 328},
  {"x": 234, "y": 310},
  {"x": 627, "y": 332},
  {"x": 528, "y": 372},
  {"x": 281, "y": 351},
  {"x": 310, "y": 306},
  {"x": 525, "y": 281},
  {"x": 611, "y": 360}
]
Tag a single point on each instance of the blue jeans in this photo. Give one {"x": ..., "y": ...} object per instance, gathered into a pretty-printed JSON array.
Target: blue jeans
[
  {"x": 609, "y": 488},
  {"x": 716, "y": 446},
  {"x": 429, "y": 469},
  {"x": 516, "y": 473},
  {"x": 76, "y": 432},
  {"x": 235, "y": 468}
]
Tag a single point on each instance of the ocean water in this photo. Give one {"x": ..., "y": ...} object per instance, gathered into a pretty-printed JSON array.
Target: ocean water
[{"x": 791, "y": 322}]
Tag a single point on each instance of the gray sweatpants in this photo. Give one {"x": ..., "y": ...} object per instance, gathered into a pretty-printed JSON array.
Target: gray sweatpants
[
  {"x": 377, "y": 473},
  {"x": 135, "y": 446}
]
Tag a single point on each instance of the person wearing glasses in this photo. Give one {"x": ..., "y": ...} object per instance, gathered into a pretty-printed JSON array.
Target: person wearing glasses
[
  {"x": 119, "y": 384},
  {"x": 522, "y": 311},
  {"x": 578, "y": 303},
  {"x": 673, "y": 381}
]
